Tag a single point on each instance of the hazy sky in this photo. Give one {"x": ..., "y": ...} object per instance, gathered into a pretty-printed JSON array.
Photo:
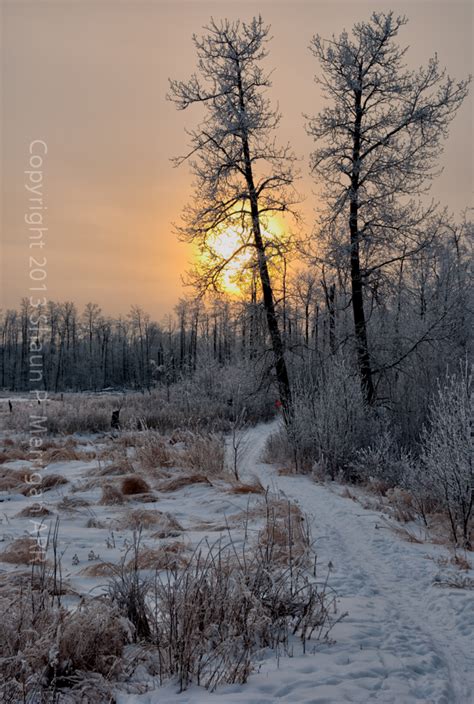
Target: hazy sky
[{"x": 89, "y": 78}]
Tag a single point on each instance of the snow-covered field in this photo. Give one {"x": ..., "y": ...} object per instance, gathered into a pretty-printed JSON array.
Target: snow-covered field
[
  {"x": 406, "y": 638},
  {"x": 408, "y": 634}
]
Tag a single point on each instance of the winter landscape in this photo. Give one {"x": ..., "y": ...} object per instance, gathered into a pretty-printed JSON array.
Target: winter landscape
[{"x": 261, "y": 492}]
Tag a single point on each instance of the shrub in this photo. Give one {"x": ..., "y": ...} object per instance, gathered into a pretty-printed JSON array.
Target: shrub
[
  {"x": 446, "y": 454},
  {"x": 382, "y": 460},
  {"x": 215, "y": 614},
  {"x": 330, "y": 421}
]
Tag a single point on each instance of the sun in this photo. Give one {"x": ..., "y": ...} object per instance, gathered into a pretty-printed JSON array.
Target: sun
[
  {"x": 235, "y": 246},
  {"x": 225, "y": 244}
]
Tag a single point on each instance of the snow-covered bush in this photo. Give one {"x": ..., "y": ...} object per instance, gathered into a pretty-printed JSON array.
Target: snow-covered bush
[
  {"x": 383, "y": 460},
  {"x": 44, "y": 647},
  {"x": 446, "y": 455},
  {"x": 331, "y": 419},
  {"x": 417, "y": 481}
]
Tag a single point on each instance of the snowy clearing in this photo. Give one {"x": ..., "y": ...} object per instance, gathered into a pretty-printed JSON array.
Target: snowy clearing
[{"x": 407, "y": 635}]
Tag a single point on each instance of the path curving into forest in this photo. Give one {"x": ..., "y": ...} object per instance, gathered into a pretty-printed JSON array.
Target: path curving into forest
[{"x": 405, "y": 639}]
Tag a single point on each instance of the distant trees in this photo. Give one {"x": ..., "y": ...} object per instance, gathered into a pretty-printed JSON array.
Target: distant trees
[
  {"x": 242, "y": 178},
  {"x": 378, "y": 144},
  {"x": 89, "y": 350}
]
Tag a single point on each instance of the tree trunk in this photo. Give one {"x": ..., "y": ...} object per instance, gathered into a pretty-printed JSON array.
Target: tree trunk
[
  {"x": 281, "y": 370},
  {"x": 356, "y": 278}
]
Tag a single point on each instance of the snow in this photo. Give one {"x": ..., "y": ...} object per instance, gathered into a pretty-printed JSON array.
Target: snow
[{"x": 406, "y": 639}]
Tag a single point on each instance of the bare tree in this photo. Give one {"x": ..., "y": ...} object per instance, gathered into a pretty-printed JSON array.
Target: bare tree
[
  {"x": 242, "y": 178},
  {"x": 380, "y": 140}
]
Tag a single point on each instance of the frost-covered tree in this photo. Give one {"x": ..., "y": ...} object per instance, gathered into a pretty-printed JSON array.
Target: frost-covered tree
[
  {"x": 242, "y": 178},
  {"x": 447, "y": 450},
  {"x": 378, "y": 144}
]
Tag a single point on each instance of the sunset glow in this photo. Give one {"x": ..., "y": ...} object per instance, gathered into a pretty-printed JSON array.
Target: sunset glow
[
  {"x": 223, "y": 246},
  {"x": 109, "y": 184}
]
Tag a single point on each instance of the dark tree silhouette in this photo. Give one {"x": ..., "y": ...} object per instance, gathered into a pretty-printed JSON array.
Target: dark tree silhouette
[{"x": 242, "y": 177}]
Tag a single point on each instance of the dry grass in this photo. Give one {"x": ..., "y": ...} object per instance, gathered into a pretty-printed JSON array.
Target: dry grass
[
  {"x": 111, "y": 496},
  {"x": 287, "y": 470},
  {"x": 145, "y": 498},
  {"x": 62, "y": 454},
  {"x": 347, "y": 494},
  {"x": 165, "y": 524},
  {"x": 99, "y": 569},
  {"x": 439, "y": 529},
  {"x": 205, "y": 453},
  {"x": 456, "y": 560},
  {"x": 461, "y": 562},
  {"x": 14, "y": 453},
  {"x": 116, "y": 469},
  {"x": 134, "y": 484},
  {"x": 401, "y": 503},
  {"x": 26, "y": 581},
  {"x": 182, "y": 481},
  {"x": 34, "y": 511},
  {"x": 166, "y": 557},
  {"x": 208, "y": 526},
  {"x": 455, "y": 581},
  {"x": 15, "y": 479},
  {"x": 23, "y": 551},
  {"x": 72, "y": 503},
  {"x": 271, "y": 505},
  {"x": 92, "y": 638},
  {"x": 51, "y": 481},
  {"x": 153, "y": 451},
  {"x": 406, "y": 534},
  {"x": 180, "y": 436},
  {"x": 94, "y": 522},
  {"x": 285, "y": 533},
  {"x": 378, "y": 487},
  {"x": 88, "y": 485},
  {"x": 256, "y": 487}
]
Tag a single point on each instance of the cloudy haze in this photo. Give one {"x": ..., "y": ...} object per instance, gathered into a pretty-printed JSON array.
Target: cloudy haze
[{"x": 90, "y": 78}]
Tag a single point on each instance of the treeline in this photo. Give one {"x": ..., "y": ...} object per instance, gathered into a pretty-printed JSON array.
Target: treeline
[
  {"x": 420, "y": 322},
  {"x": 89, "y": 350}
]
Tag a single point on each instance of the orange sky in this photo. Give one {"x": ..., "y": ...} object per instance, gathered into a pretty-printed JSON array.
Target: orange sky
[{"x": 90, "y": 77}]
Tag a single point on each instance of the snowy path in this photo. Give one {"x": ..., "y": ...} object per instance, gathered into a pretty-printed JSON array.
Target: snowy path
[{"x": 405, "y": 641}]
